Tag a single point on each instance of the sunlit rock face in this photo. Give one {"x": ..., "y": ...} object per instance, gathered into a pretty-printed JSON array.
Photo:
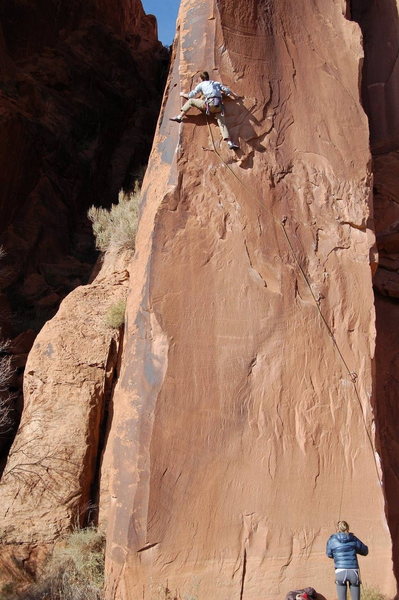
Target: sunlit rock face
[{"x": 243, "y": 426}]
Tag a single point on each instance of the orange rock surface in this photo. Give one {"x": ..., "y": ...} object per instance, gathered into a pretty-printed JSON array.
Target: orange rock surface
[{"x": 243, "y": 426}]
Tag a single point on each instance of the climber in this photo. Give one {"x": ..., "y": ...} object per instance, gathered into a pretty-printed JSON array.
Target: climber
[
  {"x": 343, "y": 547},
  {"x": 210, "y": 103}
]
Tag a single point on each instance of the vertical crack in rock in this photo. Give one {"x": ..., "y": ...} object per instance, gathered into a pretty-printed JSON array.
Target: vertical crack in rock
[
  {"x": 112, "y": 368},
  {"x": 253, "y": 268},
  {"x": 244, "y": 572}
]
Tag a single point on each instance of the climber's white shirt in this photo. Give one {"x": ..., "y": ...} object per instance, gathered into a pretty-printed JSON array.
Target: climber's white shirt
[{"x": 210, "y": 89}]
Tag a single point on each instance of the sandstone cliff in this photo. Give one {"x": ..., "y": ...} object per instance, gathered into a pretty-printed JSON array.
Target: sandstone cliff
[
  {"x": 51, "y": 481},
  {"x": 244, "y": 422}
]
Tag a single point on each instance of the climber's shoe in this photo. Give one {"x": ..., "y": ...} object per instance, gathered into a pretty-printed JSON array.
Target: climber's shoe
[
  {"x": 232, "y": 145},
  {"x": 178, "y": 119}
]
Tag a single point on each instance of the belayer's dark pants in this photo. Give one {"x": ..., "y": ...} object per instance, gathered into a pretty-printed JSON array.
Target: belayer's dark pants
[{"x": 347, "y": 577}]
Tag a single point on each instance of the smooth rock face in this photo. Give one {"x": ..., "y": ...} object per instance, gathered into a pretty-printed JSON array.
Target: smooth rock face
[{"x": 243, "y": 424}]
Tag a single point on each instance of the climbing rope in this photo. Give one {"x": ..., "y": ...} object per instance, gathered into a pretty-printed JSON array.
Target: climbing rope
[{"x": 352, "y": 375}]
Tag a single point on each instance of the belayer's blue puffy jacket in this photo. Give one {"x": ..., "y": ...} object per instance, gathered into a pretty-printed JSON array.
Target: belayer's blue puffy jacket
[{"x": 343, "y": 547}]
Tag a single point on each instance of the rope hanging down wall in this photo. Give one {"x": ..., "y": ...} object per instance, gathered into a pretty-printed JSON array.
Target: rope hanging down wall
[{"x": 352, "y": 375}]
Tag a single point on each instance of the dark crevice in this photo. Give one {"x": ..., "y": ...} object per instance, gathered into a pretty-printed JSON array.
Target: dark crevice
[
  {"x": 243, "y": 574},
  {"x": 358, "y": 9},
  {"x": 379, "y": 23},
  {"x": 112, "y": 371}
]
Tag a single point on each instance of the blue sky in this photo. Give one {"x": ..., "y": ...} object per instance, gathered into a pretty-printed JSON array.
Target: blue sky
[{"x": 166, "y": 14}]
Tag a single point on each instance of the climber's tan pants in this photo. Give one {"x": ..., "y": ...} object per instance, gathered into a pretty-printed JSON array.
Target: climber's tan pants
[{"x": 198, "y": 103}]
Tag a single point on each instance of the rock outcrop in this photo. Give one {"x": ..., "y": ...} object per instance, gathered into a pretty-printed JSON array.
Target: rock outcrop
[
  {"x": 51, "y": 481},
  {"x": 244, "y": 424}
]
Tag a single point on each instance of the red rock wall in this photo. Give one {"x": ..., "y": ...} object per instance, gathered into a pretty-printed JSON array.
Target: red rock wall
[
  {"x": 380, "y": 29},
  {"x": 50, "y": 481},
  {"x": 33, "y": 25},
  {"x": 239, "y": 435}
]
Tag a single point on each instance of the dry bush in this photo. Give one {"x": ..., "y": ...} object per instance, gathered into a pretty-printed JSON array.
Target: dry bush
[
  {"x": 75, "y": 570},
  {"x": 115, "y": 315},
  {"x": 371, "y": 593},
  {"x": 6, "y": 373},
  {"x": 117, "y": 226}
]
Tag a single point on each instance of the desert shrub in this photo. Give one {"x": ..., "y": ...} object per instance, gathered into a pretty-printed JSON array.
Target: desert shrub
[
  {"x": 5, "y": 371},
  {"x": 371, "y": 593},
  {"x": 115, "y": 315},
  {"x": 75, "y": 570},
  {"x": 117, "y": 226}
]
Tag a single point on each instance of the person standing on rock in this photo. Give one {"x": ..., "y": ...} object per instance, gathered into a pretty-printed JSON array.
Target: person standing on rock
[
  {"x": 343, "y": 547},
  {"x": 211, "y": 102}
]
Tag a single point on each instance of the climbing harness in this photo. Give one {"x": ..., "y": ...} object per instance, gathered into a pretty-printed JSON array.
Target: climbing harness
[
  {"x": 216, "y": 102},
  {"x": 345, "y": 579},
  {"x": 352, "y": 375}
]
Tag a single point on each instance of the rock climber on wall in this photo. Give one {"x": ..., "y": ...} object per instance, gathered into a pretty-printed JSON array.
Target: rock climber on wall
[{"x": 210, "y": 103}]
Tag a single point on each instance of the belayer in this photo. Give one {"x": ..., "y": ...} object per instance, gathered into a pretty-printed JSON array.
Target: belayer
[
  {"x": 211, "y": 102},
  {"x": 343, "y": 547}
]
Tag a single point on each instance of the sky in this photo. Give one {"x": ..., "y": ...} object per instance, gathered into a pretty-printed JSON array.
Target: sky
[{"x": 166, "y": 14}]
